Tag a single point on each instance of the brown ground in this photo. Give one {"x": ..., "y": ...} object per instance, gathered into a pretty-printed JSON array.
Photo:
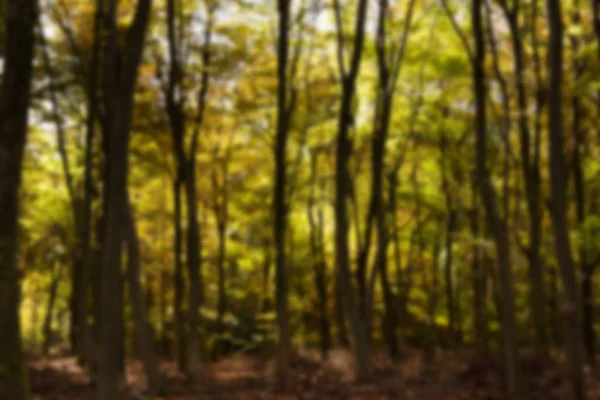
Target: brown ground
[{"x": 451, "y": 376}]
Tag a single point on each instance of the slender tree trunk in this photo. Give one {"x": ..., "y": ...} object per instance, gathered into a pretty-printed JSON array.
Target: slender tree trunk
[
  {"x": 321, "y": 281},
  {"x": 76, "y": 332},
  {"x": 432, "y": 339},
  {"x": 186, "y": 166},
  {"x": 596, "y": 20},
  {"x": 340, "y": 317},
  {"x": 222, "y": 296},
  {"x": 20, "y": 21},
  {"x": 450, "y": 302},
  {"x": 342, "y": 189},
  {"x": 395, "y": 238},
  {"x": 164, "y": 288},
  {"x": 450, "y": 227},
  {"x": 558, "y": 177},
  {"x": 589, "y": 334},
  {"x": 553, "y": 307},
  {"x": 195, "y": 294},
  {"x": 266, "y": 270},
  {"x": 585, "y": 264},
  {"x": 317, "y": 244},
  {"x": 530, "y": 173},
  {"x": 86, "y": 351},
  {"x": 143, "y": 333},
  {"x": 179, "y": 344},
  {"x": 479, "y": 277},
  {"x": 488, "y": 196},
  {"x": 279, "y": 198},
  {"x": 50, "y": 309}
]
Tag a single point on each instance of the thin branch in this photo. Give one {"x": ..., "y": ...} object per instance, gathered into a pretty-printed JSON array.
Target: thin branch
[
  {"x": 397, "y": 60},
  {"x": 340, "y": 38},
  {"x": 58, "y": 121},
  {"x": 461, "y": 34},
  {"x": 205, "y": 81}
]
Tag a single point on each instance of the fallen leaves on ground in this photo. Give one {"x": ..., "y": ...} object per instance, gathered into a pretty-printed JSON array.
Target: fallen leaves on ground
[{"x": 449, "y": 375}]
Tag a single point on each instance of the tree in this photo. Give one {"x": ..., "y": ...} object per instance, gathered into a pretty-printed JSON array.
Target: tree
[
  {"x": 558, "y": 176},
  {"x": 496, "y": 224},
  {"x": 488, "y": 196},
  {"x": 20, "y": 21},
  {"x": 530, "y": 170},
  {"x": 348, "y": 79},
  {"x": 284, "y": 108},
  {"x": 118, "y": 90},
  {"x": 186, "y": 175}
]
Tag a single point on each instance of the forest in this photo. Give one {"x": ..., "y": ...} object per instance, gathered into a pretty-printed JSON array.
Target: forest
[{"x": 299, "y": 199}]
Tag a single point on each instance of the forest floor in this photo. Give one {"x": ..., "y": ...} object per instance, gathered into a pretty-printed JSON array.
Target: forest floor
[{"x": 451, "y": 375}]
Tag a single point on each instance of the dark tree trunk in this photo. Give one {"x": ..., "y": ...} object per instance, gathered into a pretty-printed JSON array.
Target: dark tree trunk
[
  {"x": 76, "y": 332},
  {"x": 488, "y": 195},
  {"x": 342, "y": 189},
  {"x": 20, "y": 21},
  {"x": 267, "y": 261},
  {"x": 479, "y": 276},
  {"x": 558, "y": 178},
  {"x": 87, "y": 341},
  {"x": 340, "y": 317},
  {"x": 195, "y": 294},
  {"x": 179, "y": 345},
  {"x": 279, "y": 196},
  {"x": 222, "y": 297},
  {"x": 450, "y": 302},
  {"x": 50, "y": 309},
  {"x": 317, "y": 245},
  {"x": 530, "y": 174},
  {"x": 586, "y": 265},
  {"x": 119, "y": 92},
  {"x": 143, "y": 333},
  {"x": 450, "y": 228},
  {"x": 553, "y": 307},
  {"x": 388, "y": 71},
  {"x": 596, "y": 20},
  {"x": 221, "y": 211},
  {"x": 431, "y": 339},
  {"x": 589, "y": 334},
  {"x": 186, "y": 169}
]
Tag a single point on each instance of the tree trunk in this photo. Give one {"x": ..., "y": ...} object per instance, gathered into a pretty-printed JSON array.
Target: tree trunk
[
  {"x": 342, "y": 189},
  {"x": 589, "y": 335},
  {"x": 553, "y": 307},
  {"x": 279, "y": 198},
  {"x": 143, "y": 333},
  {"x": 195, "y": 295},
  {"x": 530, "y": 173},
  {"x": 222, "y": 296},
  {"x": 450, "y": 227},
  {"x": 179, "y": 289},
  {"x": 186, "y": 169},
  {"x": 340, "y": 317},
  {"x": 431, "y": 338},
  {"x": 50, "y": 309},
  {"x": 586, "y": 265},
  {"x": 479, "y": 277},
  {"x": 119, "y": 92},
  {"x": 87, "y": 344},
  {"x": 450, "y": 303},
  {"x": 317, "y": 245},
  {"x": 558, "y": 179},
  {"x": 76, "y": 329},
  {"x": 20, "y": 21},
  {"x": 266, "y": 270},
  {"x": 488, "y": 196}
]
